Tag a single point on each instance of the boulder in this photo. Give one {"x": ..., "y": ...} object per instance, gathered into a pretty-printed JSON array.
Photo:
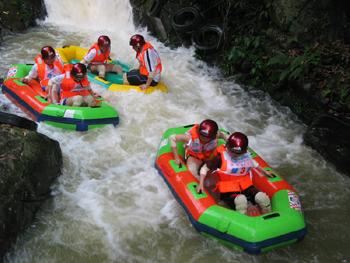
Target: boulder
[
  {"x": 330, "y": 136},
  {"x": 16, "y": 16},
  {"x": 29, "y": 164}
]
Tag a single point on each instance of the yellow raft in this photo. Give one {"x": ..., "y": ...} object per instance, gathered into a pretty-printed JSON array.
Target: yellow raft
[{"x": 113, "y": 82}]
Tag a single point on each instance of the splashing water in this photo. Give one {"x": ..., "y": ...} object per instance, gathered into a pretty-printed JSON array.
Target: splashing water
[{"x": 111, "y": 205}]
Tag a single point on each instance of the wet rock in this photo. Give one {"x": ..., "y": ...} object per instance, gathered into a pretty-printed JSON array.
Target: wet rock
[
  {"x": 330, "y": 136},
  {"x": 16, "y": 16},
  {"x": 29, "y": 163}
]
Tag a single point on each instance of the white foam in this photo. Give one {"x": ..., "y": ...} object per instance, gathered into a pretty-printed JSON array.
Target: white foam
[{"x": 112, "y": 203}]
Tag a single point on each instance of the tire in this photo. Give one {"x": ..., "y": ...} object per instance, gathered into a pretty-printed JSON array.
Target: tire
[
  {"x": 208, "y": 38},
  {"x": 154, "y": 7},
  {"x": 137, "y": 3},
  {"x": 14, "y": 120},
  {"x": 186, "y": 19}
]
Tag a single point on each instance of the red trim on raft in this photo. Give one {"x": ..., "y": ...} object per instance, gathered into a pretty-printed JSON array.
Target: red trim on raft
[
  {"x": 27, "y": 93},
  {"x": 179, "y": 182},
  {"x": 196, "y": 207}
]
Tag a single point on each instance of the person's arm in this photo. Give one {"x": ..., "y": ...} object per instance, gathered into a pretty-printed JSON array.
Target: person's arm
[
  {"x": 53, "y": 88},
  {"x": 93, "y": 94},
  {"x": 148, "y": 82},
  {"x": 208, "y": 167},
  {"x": 33, "y": 74},
  {"x": 261, "y": 172},
  {"x": 89, "y": 57},
  {"x": 202, "y": 175},
  {"x": 151, "y": 60},
  {"x": 173, "y": 140}
]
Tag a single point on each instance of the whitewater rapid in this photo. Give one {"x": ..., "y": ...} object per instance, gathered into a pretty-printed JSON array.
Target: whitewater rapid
[{"x": 111, "y": 205}]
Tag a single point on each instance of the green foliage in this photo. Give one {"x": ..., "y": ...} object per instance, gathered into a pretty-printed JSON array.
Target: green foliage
[
  {"x": 261, "y": 55},
  {"x": 293, "y": 67}
]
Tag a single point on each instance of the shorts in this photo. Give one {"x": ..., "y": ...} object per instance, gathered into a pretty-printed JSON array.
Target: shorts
[
  {"x": 135, "y": 78},
  {"x": 229, "y": 198}
]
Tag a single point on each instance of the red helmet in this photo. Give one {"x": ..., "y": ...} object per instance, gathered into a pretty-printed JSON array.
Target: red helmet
[
  {"x": 237, "y": 143},
  {"x": 137, "y": 40},
  {"x": 48, "y": 52},
  {"x": 104, "y": 41},
  {"x": 208, "y": 128},
  {"x": 78, "y": 70}
]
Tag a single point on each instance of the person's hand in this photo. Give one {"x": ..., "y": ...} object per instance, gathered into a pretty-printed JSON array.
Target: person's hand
[
  {"x": 200, "y": 189},
  {"x": 95, "y": 95},
  {"x": 95, "y": 103},
  {"x": 269, "y": 174},
  {"x": 179, "y": 161},
  {"x": 143, "y": 86}
]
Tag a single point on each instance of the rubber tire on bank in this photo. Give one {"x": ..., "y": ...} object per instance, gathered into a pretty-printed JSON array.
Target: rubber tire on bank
[
  {"x": 208, "y": 38},
  {"x": 137, "y": 3},
  {"x": 14, "y": 120},
  {"x": 154, "y": 7},
  {"x": 186, "y": 19}
]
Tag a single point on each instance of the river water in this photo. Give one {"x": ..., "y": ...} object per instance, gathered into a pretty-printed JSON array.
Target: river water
[{"x": 110, "y": 204}]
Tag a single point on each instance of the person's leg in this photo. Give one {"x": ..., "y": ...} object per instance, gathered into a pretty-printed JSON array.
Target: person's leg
[
  {"x": 75, "y": 101},
  {"x": 114, "y": 68},
  {"x": 53, "y": 94},
  {"x": 193, "y": 165},
  {"x": 228, "y": 199},
  {"x": 89, "y": 101},
  {"x": 93, "y": 69},
  {"x": 153, "y": 83},
  {"x": 101, "y": 71},
  {"x": 241, "y": 204},
  {"x": 133, "y": 77},
  {"x": 63, "y": 102},
  {"x": 67, "y": 101},
  {"x": 264, "y": 202}
]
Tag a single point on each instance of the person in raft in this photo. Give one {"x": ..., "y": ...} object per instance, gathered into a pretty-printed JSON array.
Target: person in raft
[
  {"x": 97, "y": 58},
  {"x": 200, "y": 144},
  {"x": 74, "y": 88},
  {"x": 233, "y": 167},
  {"x": 150, "y": 66},
  {"x": 47, "y": 65}
]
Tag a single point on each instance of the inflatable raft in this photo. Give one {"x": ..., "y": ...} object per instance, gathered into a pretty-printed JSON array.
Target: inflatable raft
[
  {"x": 113, "y": 82},
  {"x": 31, "y": 99},
  {"x": 254, "y": 234}
]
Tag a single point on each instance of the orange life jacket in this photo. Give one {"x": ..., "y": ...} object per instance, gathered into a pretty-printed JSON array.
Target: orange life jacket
[
  {"x": 196, "y": 148},
  {"x": 140, "y": 57},
  {"x": 71, "y": 88},
  {"x": 100, "y": 57},
  {"x": 45, "y": 73},
  {"x": 234, "y": 175}
]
